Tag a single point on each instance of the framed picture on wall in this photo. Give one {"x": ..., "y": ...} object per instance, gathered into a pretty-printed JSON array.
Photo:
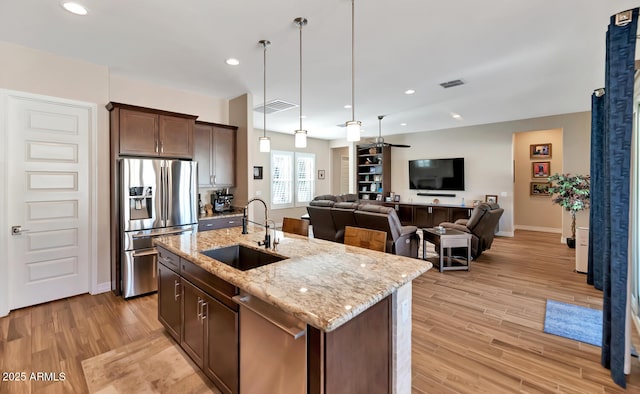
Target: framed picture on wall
[
  {"x": 540, "y": 169},
  {"x": 540, "y": 189},
  {"x": 491, "y": 198},
  {"x": 540, "y": 151}
]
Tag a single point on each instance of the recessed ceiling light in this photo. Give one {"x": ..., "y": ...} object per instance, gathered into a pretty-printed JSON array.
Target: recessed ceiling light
[
  {"x": 403, "y": 124},
  {"x": 456, "y": 116},
  {"x": 74, "y": 8},
  {"x": 347, "y": 106},
  {"x": 232, "y": 61},
  {"x": 409, "y": 91}
]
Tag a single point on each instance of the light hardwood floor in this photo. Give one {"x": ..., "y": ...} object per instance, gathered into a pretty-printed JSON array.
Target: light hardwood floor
[{"x": 473, "y": 332}]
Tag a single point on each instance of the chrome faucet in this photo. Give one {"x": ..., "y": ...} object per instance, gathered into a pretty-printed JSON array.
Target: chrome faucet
[{"x": 267, "y": 239}]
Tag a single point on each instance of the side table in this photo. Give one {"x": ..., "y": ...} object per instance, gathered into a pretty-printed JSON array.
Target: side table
[{"x": 447, "y": 240}]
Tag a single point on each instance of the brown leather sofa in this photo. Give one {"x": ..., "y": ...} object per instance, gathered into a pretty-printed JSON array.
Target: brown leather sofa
[
  {"x": 482, "y": 225},
  {"x": 329, "y": 218}
]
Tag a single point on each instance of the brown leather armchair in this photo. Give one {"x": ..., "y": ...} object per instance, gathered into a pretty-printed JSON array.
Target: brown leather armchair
[
  {"x": 482, "y": 225},
  {"x": 401, "y": 240}
]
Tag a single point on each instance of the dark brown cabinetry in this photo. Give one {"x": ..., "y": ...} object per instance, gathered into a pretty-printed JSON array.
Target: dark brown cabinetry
[
  {"x": 193, "y": 322},
  {"x": 374, "y": 172},
  {"x": 196, "y": 309},
  {"x": 139, "y": 131},
  {"x": 429, "y": 216},
  {"x": 215, "y": 152},
  {"x": 170, "y": 301},
  {"x": 221, "y": 363}
]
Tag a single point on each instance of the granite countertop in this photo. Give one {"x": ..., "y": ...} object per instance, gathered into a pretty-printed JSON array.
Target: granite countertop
[{"x": 325, "y": 284}]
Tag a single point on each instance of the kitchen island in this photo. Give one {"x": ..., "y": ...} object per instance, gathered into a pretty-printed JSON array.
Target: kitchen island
[{"x": 356, "y": 303}]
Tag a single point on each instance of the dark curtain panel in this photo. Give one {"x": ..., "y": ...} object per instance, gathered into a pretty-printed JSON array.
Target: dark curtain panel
[
  {"x": 597, "y": 227},
  {"x": 611, "y": 162}
]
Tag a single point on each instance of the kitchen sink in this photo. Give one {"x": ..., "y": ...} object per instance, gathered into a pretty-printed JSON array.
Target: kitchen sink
[{"x": 241, "y": 257}]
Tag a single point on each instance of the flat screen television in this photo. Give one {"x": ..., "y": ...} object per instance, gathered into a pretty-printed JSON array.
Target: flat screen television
[{"x": 436, "y": 174}]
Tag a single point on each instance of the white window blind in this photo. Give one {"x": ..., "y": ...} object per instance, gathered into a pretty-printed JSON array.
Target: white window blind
[
  {"x": 305, "y": 170},
  {"x": 292, "y": 179}
]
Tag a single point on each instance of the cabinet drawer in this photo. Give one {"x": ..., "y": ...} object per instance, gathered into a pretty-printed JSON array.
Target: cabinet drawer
[
  {"x": 168, "y": 259},
  {"x": 210, "y": 284},
  {"x": 217, "y": 223}
]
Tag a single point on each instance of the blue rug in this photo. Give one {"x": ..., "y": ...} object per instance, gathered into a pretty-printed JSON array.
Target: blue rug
[{"x": 574, "y": 322}]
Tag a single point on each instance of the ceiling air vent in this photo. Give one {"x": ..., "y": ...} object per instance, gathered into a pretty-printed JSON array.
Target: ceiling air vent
[
  {"x": 450, "y": 84},
  {"x": 274, "y": 106}
]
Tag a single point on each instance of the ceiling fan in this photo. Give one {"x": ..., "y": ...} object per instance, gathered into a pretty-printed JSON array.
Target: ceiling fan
[{"x": 379, "y": 142}]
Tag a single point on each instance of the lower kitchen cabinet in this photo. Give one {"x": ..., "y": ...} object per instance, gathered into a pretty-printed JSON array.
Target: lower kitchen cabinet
[
  {"x": 170, "y": 301},
  {"x": 205, "y": 328},
  {"x": 221, "y": 362},
  {"x": 193, "y": 323}
]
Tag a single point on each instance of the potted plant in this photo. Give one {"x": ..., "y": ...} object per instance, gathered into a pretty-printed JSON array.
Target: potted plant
[{"x": 571, "y": 193}]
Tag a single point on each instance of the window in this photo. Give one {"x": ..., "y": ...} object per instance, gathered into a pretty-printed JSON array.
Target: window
[{"x": 292, "y": 179}]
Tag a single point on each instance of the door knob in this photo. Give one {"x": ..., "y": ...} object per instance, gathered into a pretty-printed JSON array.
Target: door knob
[{"x": 17, "y": 230}]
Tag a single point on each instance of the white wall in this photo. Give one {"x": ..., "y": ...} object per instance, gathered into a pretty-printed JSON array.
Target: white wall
[
  {"x": 284, "y": 142},
  {"x": 488, "y": 154}
]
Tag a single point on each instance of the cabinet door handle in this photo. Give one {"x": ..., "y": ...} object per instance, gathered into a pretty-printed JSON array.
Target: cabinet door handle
[
  {"x": 199, "y": 308},
  {"x": 156, "y": 145},
  {"x": 161, "y": 147},
  {"x": 204, "y": 314},
  {"x": 176, "y": 293},
  {"x": 214, "y": 179},
  {"x": 211, "y": 181}
]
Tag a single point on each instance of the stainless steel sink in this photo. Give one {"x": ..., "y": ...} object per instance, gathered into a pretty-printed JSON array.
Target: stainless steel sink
[{"x": 241, "y": 257}]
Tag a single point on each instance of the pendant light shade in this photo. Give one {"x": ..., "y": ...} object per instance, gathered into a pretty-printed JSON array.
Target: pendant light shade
[
  {"x": 353, "y": 126},
  {"x": 265, "y": 142},
  {"x": 300, "y": 139}
]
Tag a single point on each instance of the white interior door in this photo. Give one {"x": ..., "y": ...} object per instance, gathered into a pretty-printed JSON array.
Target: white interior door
[{"x": 47, "y": 200}]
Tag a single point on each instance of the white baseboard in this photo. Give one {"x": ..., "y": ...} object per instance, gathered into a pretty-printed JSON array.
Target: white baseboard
[
  {"x": 540, "y": 229},
  {"x": 101, "y": 288},
  {"x": 505, "y": 233}
]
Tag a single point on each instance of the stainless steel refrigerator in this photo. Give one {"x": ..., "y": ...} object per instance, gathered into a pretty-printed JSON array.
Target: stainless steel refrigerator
[{"x": 158, "y": 198}]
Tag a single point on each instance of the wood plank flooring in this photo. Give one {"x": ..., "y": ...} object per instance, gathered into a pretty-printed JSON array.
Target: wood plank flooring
[
  {"x": 473, "y": 332},
  {"x": 481, "y": 331}
]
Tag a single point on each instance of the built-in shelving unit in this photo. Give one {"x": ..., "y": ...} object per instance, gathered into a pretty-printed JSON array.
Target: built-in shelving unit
[{"x": 374, "y": 172}]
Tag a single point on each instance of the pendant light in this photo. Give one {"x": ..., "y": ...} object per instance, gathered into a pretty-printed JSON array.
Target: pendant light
[
  {"x": 300, "y": 134},
  {"x": 265, "y": 142},
  {"x": 353, "y": 126}
]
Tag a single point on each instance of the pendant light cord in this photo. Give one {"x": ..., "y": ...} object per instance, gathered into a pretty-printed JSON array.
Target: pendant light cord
[
  {"x": 353, "y": 64},
  {"x": 264, "y": 93},
  {"x": 301, "y": 24}
]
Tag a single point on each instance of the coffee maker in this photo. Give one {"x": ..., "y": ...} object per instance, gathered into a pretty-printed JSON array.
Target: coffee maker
[{"x": 221, "y": 201}]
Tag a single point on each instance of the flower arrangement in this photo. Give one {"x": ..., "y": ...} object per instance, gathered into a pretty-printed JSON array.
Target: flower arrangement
[{"x": 572, "y": 193}]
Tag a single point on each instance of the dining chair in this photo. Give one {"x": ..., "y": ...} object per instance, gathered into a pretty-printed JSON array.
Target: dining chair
[
  {"x": 365, "y": 238},
  {"x": 295, "y": 226}
]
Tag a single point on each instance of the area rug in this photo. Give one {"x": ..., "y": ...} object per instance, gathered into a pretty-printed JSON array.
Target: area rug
[
  {"x": 573, "y": 322},
  {"x": 151, "y": 365}
]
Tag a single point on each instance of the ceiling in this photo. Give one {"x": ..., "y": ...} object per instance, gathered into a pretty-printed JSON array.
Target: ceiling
[{"x": 518, "y": 59}]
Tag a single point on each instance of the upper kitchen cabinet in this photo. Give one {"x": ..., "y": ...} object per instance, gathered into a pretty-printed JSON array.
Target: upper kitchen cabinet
[
  {"x": 215, "y": 152},
  {"x": 139, "y": 131}
]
